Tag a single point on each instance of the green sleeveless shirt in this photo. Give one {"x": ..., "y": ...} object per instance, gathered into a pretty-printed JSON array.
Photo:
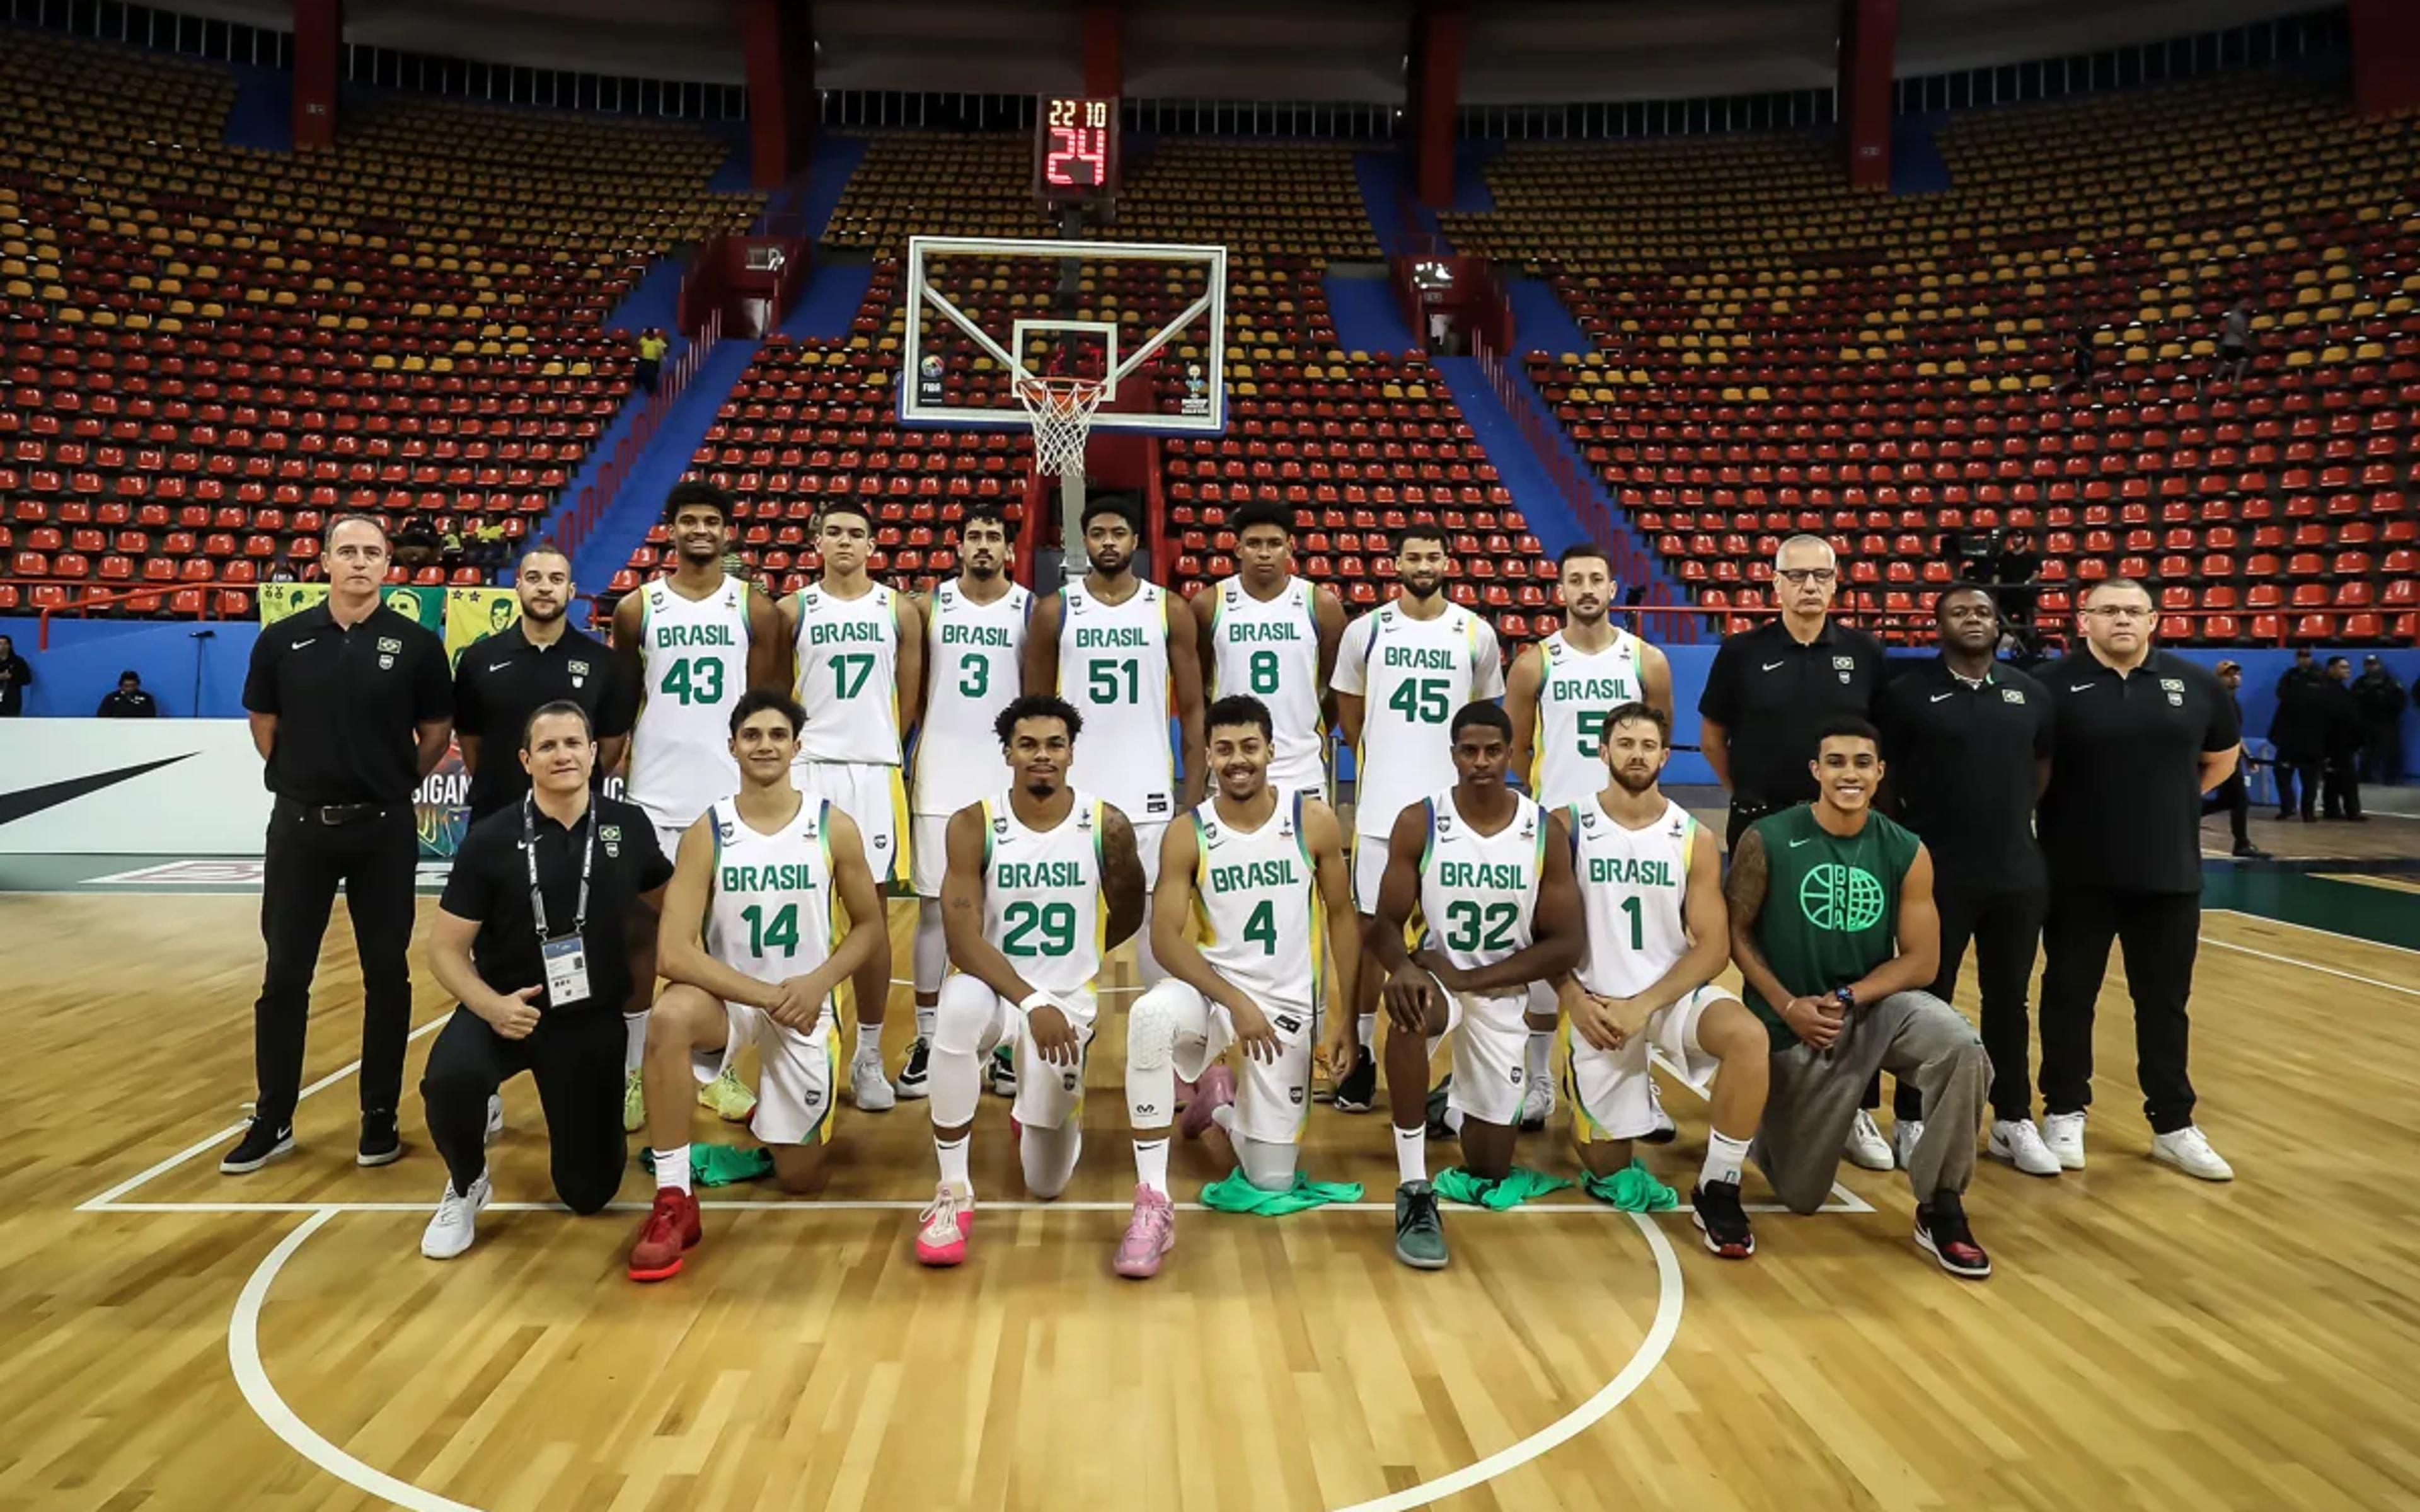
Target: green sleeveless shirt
[{"x": 1831, "y": 905}]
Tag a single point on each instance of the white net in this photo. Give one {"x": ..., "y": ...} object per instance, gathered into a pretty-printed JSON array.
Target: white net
[{"x": 1061, "y": 410}]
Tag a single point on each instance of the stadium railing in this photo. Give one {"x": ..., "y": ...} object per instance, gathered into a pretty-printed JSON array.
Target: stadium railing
[{"x": 597, "y": 497}]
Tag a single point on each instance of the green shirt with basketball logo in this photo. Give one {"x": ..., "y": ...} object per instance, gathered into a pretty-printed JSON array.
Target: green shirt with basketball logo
[{"x": 1831, "y": 905}]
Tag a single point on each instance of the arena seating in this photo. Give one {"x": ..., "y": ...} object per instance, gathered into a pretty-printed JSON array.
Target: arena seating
[
  {"x": 1776, "y": 352},
  {"x": 207, "y": 348}
]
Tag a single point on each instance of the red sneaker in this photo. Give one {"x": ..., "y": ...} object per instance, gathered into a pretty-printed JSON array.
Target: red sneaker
[{"x": 672, "y": 1227}]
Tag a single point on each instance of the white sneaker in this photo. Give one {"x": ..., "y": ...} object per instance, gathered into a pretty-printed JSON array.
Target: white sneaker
[
  {"x": 1904, "y": 1133},
  {"x": 1866, "y": 1146},
  {"x": 2019, "y": 1143},
  {"x": 2064, "y": 1134},
  {"x": 453, "y": 1225},
  {"x": 495, "y": 1116},
  {"x": 869, "y": 1087},
  {"x": 1537, "y": 1102},
  {"x": 2188, "y": 1150}
]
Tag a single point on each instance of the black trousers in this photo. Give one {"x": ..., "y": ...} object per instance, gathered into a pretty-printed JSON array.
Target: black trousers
[
  {"x": 2005, "y": 928},
  {"x": 2159, "y": 932},
  {"x": 373, "y": 860},
  {"x": 577, "y": 1060},
  {"x": 2342, "y": 791},
  {"x": 2308, "y": 772},
  {"x": 2382, "y": 752},
  {"x": 2232, "y": 797}
]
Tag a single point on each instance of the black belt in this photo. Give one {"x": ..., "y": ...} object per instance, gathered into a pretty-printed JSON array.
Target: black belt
[{"x": 333, "y": 814}]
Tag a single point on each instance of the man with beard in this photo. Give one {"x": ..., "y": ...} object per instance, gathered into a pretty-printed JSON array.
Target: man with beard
[
  {"x": 505, "y": 678},
  {"x": 1258, "y": 873},
  {"x": 974, "y": 650},
  {"x": 1272, "y": 636},
  {"x": 691, "y": 643},
  {"x": 1401, "y": 673}
]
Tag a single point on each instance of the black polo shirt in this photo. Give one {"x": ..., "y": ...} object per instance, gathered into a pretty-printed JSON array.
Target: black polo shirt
[
  {"x": 1772, "y": 694},
  {"x": 2124, "y": 805},
  {"x": 503, "y": 679},
  {"x": 490, "y": 884},
  {"x": 347, "y": 703},
  {"x": 124, "y": 705},
  {"x": 1960, "y": 762}
]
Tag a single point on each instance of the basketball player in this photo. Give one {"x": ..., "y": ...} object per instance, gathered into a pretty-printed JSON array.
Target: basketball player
[
  {"x": 860, "y": 649},
  {"x": 1273, "y": 635},
  {"x": 1490, "y": 875},
  {"x": 749, "y": 945},
  {"x": 1121, "y": 650},
  {"x": 1262, "y": 872},
  {"x": 693, "y": 642},
  {"x": 1043, "y": 883},
  {"x": 1651, "y": 883},
  {"x": 1400, "y": 672},
  {"x": 974, "y": 651},
  {"x": 1558, "y": 692}
]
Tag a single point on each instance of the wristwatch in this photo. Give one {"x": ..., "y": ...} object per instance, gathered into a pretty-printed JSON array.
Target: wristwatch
[{"x": 1847, "y": 999}]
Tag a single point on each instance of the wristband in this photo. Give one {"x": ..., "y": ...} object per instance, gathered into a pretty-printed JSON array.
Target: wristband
[
  {"x": 1039, "y": 997},
  {"x": 1846, "y": 999}
]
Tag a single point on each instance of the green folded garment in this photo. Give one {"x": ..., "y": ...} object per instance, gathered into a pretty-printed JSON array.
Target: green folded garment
[
  {"x": 1519, "y": 1186},
  {"x": 1236, "y": 1194},
  {"x": 1633, "y": 1189},
  {"x": 721, "y": 1164}
]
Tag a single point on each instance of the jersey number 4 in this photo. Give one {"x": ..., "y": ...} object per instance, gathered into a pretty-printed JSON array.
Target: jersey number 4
[
  {"x": 1419, "y": 700},
  {"x": 694, "y": 680},
  {"x": 1055, "y": 923}
]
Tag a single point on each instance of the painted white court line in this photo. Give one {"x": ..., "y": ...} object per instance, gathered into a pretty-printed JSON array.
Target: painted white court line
[
  {"x": 880, "y": 1205},
  {"x": 2313, "y": 929},
  {"x": 2309, "y": 966}
]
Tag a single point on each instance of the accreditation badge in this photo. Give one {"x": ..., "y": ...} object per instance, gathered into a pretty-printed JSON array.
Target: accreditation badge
[{"x": 566, "y": 971}]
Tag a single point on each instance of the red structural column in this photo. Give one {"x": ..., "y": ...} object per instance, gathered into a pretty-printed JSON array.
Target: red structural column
[
  {"x": 1868, "y": 40},
  {"x": 1105, "y": 72},
  {"x": 777, "y": 38},
  {"x": 318, "y": 64},
  {"x": 2385, "y": 55},
  {"x": 1438, "y": 33}
]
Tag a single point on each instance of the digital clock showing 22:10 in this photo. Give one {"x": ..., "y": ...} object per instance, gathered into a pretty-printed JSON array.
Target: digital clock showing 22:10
[{"x": 1076, "y": 149}]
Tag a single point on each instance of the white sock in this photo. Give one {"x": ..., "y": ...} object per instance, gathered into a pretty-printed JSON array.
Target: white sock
[
  {"x": 1151, "y": 1164},
  {"x": 952, "y": 1155},
  {"x": 1412, "y": 1154},
  {"x": 1224, "y": 1117},
  {"x": 869, "y": 1045},
  {"x": 925, "y": 1014},
  {"x": 1726, "y": 1158},
  {"x": 1365, "y": 1028},
  {"x": 1538, "y": 1056},
  {"x": 634, "y": 1041},
  {"x": 671, "y": 1169},
  {"x": 1451, "y": 1118}
]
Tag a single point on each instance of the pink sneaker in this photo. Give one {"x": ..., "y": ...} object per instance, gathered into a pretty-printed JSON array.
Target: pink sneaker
[
  {"x": 1215, "y": 1090},
  {"x": 945, "y": 1228},
  {"x": 1150, "y": 1235}
]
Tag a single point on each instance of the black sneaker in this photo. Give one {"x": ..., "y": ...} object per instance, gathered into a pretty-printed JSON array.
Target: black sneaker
[
  {"x": 380, "y": 1145},
  {"x": 1941, "y": 1232},
  {"x": 1438, "y": 1105},
  {"x": 2245, "y": 850},
  {"x": 999, "y": 1076},
  {"x": 1359, "y": 1087},
  {"x": 915, "y": 1077},
  {"x": 1716, "y": 1207},
  {"x": 263, "y": 1142},
  {"x": 1420, "y": 1233}
]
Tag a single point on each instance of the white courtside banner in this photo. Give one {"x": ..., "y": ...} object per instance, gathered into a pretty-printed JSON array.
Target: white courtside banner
[{"x": 131, "y": 787}]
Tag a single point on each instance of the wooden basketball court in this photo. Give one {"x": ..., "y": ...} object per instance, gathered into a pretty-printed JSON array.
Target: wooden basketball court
[{"x": 179, "y": 1339}]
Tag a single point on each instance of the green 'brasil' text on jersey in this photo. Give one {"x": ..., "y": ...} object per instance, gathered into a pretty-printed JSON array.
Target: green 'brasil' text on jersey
[
  {"x": 1831, "y": 905},
  {"x": 1479, "y": 893},
  {"x": 1270, "y": 649},
  {"x": 1256, "y": 907}
]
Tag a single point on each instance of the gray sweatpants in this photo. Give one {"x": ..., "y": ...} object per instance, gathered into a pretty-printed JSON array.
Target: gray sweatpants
[{"x": 1924, "y": 1043}]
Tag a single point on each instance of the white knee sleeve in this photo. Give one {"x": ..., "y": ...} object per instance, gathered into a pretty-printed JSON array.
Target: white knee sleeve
[
  {"x": 931, "y": 950},
  {"x": 1267, "y": 1166},
  {"x": 1151, "y": 1049},
  {"x": 965, "y": 1028},
  {"x": 1048, "y": 1156}
]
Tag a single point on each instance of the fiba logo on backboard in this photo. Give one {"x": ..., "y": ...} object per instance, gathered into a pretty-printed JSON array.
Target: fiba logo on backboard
[{"x": 1843, "y": 898}]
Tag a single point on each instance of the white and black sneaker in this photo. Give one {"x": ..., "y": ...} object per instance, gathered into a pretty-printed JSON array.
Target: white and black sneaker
[
  {"x": 495, "y": 1117},
  {"x": 1714, "y": 1207},
  {"x": 1000, "y": 1073},
  {"x": 263, "y": 1142},
  {"x": 381, "y": 1144},
  {"x": 453, "y": 1225},
  {"x": 1359, "y": 1090},
  {"x": 915, "y": 1077}
]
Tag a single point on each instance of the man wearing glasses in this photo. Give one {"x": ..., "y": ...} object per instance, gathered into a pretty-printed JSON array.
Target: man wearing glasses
[
  {"x": 1770, "y": 693},
  {"x": 2141, "y": 734}
]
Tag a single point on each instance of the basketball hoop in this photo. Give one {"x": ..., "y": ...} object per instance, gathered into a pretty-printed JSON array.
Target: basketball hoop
[{"x": 1061, "y": 410}]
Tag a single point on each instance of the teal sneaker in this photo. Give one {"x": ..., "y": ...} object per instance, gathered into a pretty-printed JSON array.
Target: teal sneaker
[{"x": 1420, "y": 1233}]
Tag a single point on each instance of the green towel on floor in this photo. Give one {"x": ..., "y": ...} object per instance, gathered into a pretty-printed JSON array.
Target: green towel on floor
[
  {"x": 1458, "y": 1185},
  {"x": 1236, "y": 1194},
  {"x": 721, "y": 1164},
  {"x": 1633, "y": 1189}
]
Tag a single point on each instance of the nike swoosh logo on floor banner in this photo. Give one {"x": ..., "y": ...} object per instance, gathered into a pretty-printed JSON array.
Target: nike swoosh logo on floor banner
[{"x": 25, "y": 802}]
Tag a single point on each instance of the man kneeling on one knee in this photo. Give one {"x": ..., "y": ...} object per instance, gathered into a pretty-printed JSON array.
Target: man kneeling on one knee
[{"x": 1832, "y": 928}]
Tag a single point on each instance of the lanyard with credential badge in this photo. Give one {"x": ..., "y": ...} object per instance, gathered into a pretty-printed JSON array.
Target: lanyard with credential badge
[{"x": 566, "y": 959}]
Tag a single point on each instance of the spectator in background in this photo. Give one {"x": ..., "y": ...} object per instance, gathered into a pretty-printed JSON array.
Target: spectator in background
[
  {"x": 2235, "y": 342},
  {"x": 2234, "y": 796},
  {"x": 2080, "y": 358},
  {"x": 2014, "y": 571},
  {"x": 650, "y": 368},
  {"x": 449, "y": 549},
  {"x": 415, "y": 545},
  {"x": 130, "y": 702},
  {"x": 2380, "y": 699},
  {"x": 2340, "y": 734},
  {"x": 2298, "y": 731},
  {"x": 281, "y": 568},
  {"x": 14, "y": 674}
]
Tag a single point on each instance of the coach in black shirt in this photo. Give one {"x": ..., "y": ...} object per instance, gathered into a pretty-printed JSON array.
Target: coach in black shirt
[
  {"x": 350, "y": 708},
  {"x": 2141, "y": 734},
  {"x": 505, "y": 678},
  {"x": 1968, "y": 742},
  {"x": 534, "y": 936}
]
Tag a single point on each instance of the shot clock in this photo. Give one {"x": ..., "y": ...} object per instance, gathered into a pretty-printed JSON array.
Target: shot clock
[{"x": 1075, "y": 151}]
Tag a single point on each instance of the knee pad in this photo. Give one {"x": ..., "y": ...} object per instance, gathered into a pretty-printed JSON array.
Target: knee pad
[
  {"x": 964, "y": 1018},
  {"x": 1150, "y": 1030},
  {"x": 932, "y": 948},
  {"x": 1049, "y": 1157}
]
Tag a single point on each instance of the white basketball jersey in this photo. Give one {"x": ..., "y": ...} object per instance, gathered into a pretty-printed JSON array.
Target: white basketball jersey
[
  {"x": 1479, "y": 893},
  {"x": 1256, "y": 906},
  {"x": 1573, "y": 695},
  {"x": 848, "y": 676},
  {"x": 693, "y": 653},
  {"x": 770, "y": 914},
  {"x": 1113, "y": 668},
  {"x": 1633, "y": 883},
  {"x": 973, "y": 669},
  {"x": 1412, "y": 675},
  {"x": 1042, "y": 908},
  {"x": 1270, "y": 651}
]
